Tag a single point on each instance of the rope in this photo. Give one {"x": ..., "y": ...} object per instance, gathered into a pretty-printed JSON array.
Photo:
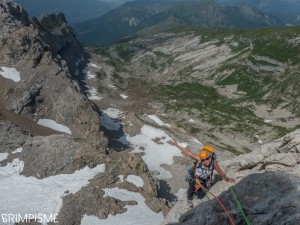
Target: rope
[
  {"x": 239, "y": 205},
  {"x": 221, "y": 204},
  {"x": 205, "y": 193}
]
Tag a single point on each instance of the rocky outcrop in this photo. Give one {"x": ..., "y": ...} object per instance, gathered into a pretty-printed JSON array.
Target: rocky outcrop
[
  {"x": 268, "y": 188},
  {"x": 46, "y": 53},
  {"x": 90, "y": 200},
  {"x": 12, "y": 17},
  {"x": 266, "y": 198},
  {"x": 56, "y": 154}
]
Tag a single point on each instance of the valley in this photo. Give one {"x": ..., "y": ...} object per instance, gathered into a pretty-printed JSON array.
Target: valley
[
  {"x": 86, "y": 131},
  {"x": 217, "y": 86}
]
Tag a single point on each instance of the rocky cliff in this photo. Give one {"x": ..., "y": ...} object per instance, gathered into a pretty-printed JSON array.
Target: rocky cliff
[
  {"x": 42, "y": 78},
  {"x": 45, "y": 53},
  {"x": 267, "y": 188}
]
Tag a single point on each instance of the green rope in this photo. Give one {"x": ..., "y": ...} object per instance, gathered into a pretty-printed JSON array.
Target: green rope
[
  {"x": 239, "y": 205},
  {"x": 204, "y": 192}
]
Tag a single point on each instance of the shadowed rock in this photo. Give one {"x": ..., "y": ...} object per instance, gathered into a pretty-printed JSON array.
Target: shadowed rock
[{"x": 267, "y": 198}]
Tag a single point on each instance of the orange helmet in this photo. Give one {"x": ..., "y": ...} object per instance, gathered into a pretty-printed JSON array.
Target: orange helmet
[
  {"x": 209, "y": 148},
  {"x": 203, "y": 155}
]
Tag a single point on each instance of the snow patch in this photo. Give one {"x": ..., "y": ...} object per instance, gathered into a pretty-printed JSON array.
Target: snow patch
[
  {"x": 94, "y": 65},
  {"x": 136, "y": 180},
  {"x": 121, "y": 178},
  {"x": 158, "y": 121},
  {"x": 90, "y": 76},
  {"x": 92, "y": 93},
  {"x": 109, "y": 119},
  {"x": 123, "y": 96},
  {"x": 268, "y": 121},
  {"x": 113, "y": 113},
  {"x": 3, "y": 156},
  {"x": 153, "y": 142},
  {"x": 53, "y": 125},
  {"x": 87, "y": 73},
  {"x": 138, "y": 214},
  {"x": 10, "y": 73},
  {"x": 18, "y": 150},
  {"x": 23, "y": 195}
]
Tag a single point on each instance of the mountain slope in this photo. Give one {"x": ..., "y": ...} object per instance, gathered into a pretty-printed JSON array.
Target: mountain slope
[
  {"x": 139, "y": 15},
  {"x": 227, "y": 85},
  {"x": 38, "y": 50}
]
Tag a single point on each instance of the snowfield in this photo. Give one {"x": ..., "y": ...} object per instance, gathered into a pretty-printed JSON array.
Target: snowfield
[
  {"x": 28, "y": 195},
  {"x": 138, "y": 214},
  {"x": 153, "y": 142}
]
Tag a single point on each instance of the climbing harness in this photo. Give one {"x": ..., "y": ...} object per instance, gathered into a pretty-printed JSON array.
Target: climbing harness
[
  {"x": 198, "y": 185},
  {"x": 205, "y": 175},
  {"x": 239, "y": 205}
]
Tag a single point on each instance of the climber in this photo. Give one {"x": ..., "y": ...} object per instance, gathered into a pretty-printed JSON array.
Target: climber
[{"x": 202, "y": 172}]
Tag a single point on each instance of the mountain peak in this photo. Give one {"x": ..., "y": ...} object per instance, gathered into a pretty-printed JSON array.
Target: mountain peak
[{"x": 154, "y": 14}]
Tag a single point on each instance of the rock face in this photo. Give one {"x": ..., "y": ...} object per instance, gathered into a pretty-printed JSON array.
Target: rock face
[
  {"x": 47, "y": 54},
  {"x": 267, "y": 188},
  {"x": 12, "y": 17},
  {"x": 55, "y": 154},
  {"x": 266, "y": 198},
  {"x": 49, "y": 57}
]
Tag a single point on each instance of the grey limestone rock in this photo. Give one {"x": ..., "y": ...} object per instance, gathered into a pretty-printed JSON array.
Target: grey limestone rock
[
  {"x": 266, "y": 198},
  {"x": 46, "y": 53},
  {"x": 267, "y": 185}
]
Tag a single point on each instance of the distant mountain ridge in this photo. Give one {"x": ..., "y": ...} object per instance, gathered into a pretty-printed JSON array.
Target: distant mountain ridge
[
  {"x": 287, "y": 11},
  {"x": 75, "y": 10},
  {"x": 138, "y": 15}
]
